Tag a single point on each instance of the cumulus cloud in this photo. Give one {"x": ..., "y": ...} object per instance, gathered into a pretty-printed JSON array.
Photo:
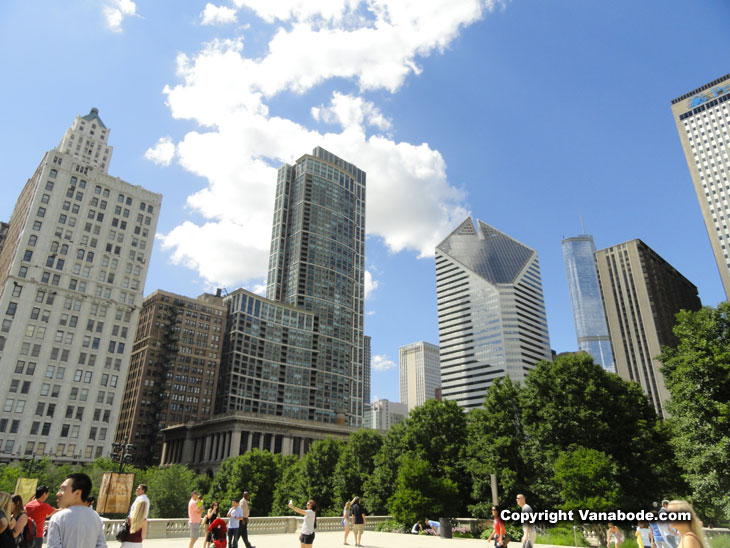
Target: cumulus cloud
[
  {"x": 381, "y": 362},
  {"x": 217, "y": 15},
  {"x": 370, "y": 284},
  {"x": 410, "y": 202},
  {"x": 116, "y": 11},
  {"x": 162, "y": 153}
]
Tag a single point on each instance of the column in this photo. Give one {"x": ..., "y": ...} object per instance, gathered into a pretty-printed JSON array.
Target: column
[{"x": 235, "y": 445}]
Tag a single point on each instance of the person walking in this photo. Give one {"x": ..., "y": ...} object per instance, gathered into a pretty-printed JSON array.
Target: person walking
[
  {"x": 236, "y": 515},
  {"x": 141, "y": 493},
  {"x": 195, "y": 514},
  {"x": 614, "y": 535},
  {"x": 137, "y": 526},
  {"x": 306, "y": 538},
  {"x": 246, "y": 511},
  {"x": 358, "y": 520},
  {"x": 346, "y": 519},
  {"x": 75, "y": 525},
  {"x": 690, "y": 532},
  {"x": 529, "y": 533},
  {"x": 499, "y": 530},
  {"x": 7, "y": 522},
  {"x": 38, "y": 510},
  {"x": 210, "y": 516}
]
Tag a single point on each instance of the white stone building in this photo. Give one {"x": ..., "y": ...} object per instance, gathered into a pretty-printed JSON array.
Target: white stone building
[
  {"x": 72, "y": 272},
  {"x": 420, "y": 373},
  {"x": 382, "y": 414}
]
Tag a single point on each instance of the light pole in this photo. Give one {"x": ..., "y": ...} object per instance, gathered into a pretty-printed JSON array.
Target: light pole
[{"x": 123, "y": 453}]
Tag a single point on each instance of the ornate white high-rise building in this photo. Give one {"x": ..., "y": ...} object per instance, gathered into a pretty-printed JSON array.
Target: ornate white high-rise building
[
  {"x": 420, "y": 373},
  {"x": 72, "y": 272},
  {"x": 491, "y": 312}
]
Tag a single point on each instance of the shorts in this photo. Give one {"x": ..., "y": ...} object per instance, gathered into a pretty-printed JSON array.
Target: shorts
[
  {"x": 306, "y": 539},
  {"x": 358, "y": 528},
  {"x": 194, "y": 529}
]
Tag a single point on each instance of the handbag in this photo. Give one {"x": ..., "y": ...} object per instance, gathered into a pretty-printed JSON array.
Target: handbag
[{"x": 123, "y": 532}]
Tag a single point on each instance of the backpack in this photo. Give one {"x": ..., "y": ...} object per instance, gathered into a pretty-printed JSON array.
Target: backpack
[{"x": 28, "y": 536}]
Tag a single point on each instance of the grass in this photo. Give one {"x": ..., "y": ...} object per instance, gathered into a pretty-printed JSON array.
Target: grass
[
  {"x": 562, "y": 535},
  {"x": 719, "y": 541}
]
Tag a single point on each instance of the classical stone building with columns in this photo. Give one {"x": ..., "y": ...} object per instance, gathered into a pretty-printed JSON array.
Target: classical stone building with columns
[{"x": 203, "y": 445}]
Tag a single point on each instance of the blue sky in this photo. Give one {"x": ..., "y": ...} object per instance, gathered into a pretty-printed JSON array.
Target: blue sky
[{"x": 524, "y": 114}]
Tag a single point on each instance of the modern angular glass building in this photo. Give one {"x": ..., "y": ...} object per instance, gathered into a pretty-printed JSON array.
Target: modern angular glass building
[
  {"x": 585, "y": 298},
  {"x": 491, "y": 312}
]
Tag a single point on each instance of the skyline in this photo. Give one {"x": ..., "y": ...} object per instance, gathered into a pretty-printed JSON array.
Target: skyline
[{"x": 462, "y": 110}]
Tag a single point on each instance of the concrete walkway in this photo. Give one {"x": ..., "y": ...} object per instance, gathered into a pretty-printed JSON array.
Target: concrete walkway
[{"x": 370, "y": 539}]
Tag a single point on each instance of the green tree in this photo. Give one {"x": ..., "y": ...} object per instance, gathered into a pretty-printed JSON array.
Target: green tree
[
  {"x": 420, "y": 493},
  {"x": 288, "y": 484},
  {"x": 573, "y": 401},
  {"x": 494, "y": 446},
  {"x": 356, "y": 464},
  {"x": 318, "y": 467},
  {"x": 254, "y": 471},
  {"x": 697, "y": 375},
  {"x": 587, "y": 478},
  {"x": 380, "y": 485},
  {"x": 169, "y": 490}
]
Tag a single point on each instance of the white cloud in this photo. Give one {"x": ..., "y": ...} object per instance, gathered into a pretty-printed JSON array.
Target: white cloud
[
  {"x": 116, "y": 11},
  {"x": 217, "y": 15},
  {"x": 162, "y": 153},
  {"x": 381, "y": 362},
  {"x": 410, "y": 202},
  {"x": 370, "y": 284}
]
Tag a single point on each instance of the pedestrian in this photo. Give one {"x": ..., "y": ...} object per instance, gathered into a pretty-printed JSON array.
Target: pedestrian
[
  {"x": 306, "y": 538},
  {"x": 21, "y": 519},
  {"x": 195, "y": 514},
  {"x": 234, "y": 524},
  {"x": 246, "y": 511},
  {"x": 75, "y": 525},
  {"x": 668, "y": 537},
  {"x": 7, "y": 522},
  {"x": 38, "y": 510},
  {"x": 614, "y": 535},
  {"x": 346, "y": 518},
  {"x": 643, "y": 535},
  {"x": 499, "y": 530},
  {"x": 141, "y": 493},
  {"x": 358, "y": 520},
  {"x": 210, "y": 516},
  {"x": 529, "y": 534},
  {"x": 137, "y": 526},
  {"x": 690, "y": 532}
]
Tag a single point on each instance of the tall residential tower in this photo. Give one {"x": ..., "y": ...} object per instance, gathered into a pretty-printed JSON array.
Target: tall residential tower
[
  {"x": 72, "y": 271},
  {"x": 585, "y": 298},
  {"x": 702, "y": 117},
  {"x": 492, "y": 320},
  {"x": 642, "y": 293}
]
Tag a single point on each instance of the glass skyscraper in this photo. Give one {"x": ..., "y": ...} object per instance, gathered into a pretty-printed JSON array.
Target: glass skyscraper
[
  {"x": 491, "y": 312},
  {"x": 585, "y": 297}
]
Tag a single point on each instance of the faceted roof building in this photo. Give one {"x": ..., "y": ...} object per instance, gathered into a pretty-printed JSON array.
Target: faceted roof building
[
  {"x": 492, "y": 320},
  {"x": 585, "y": 298}
]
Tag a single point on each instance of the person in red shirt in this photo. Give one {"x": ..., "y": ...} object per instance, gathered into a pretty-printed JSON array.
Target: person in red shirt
[
  {"x": 38, "y": 510},
  {"x": 500, "y": 532}
]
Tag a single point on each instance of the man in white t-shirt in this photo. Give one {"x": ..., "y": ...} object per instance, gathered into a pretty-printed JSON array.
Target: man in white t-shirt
[
  {"x": 529, "y": 534},
  {"x": 75, "y": 525},
  {"x": 141, "y": 493}
]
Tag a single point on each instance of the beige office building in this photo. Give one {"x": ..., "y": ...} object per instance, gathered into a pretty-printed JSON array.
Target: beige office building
[
  {"x": 642, "y": 293},
  {"x": 420, "y": 373},
  {"x": 702, "y": 117}
]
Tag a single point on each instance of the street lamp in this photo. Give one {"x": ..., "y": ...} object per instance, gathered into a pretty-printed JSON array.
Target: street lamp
[{"x": 123, "y": 453}]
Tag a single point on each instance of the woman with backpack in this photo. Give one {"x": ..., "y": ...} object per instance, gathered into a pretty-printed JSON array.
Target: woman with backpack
[{"x": 21, "y": 520}]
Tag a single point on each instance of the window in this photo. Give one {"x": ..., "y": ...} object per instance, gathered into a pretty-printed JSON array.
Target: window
[
  {"x": 28, "y": 255},
  {"x": 32, "y": 240},
  {"x": 12, "y": 308},
  {"x": 41, "y": 212}
]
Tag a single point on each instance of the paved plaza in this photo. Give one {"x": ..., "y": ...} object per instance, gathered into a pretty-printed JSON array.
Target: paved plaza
[{"x": 370, "y": 539}]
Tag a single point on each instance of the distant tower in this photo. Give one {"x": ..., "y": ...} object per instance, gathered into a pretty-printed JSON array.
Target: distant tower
[
  {"x": 702, "y": 116},
  {"x": 492, "y": 320},
  {"x": 585, "y": 298},
  {"x": 642, "y": 293},
  {"x": 72, "y": 271},
  {"x": 420, "y": 373}
]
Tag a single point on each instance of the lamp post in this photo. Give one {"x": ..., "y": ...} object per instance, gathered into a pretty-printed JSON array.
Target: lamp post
[{"x": 123, "y": 453}]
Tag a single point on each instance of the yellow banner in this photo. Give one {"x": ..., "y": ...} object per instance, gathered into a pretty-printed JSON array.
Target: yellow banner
[
  {"x": 115, "y": 493},
  {"x": 25, "y": 487}
]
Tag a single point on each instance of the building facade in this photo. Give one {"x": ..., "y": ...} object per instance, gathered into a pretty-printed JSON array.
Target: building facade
[
  {"x": 367, "y": 369},
  {"x": 642, "y": 294},
  {"x": 72, "y": 271},
  {"x": 382, "y": 414},
  {"x": 173, "y": 372},
  {"x": 702, "y": 117},
  {"x": 491, "y": 312},
  {"x": 585, "y": 298},
  {"x": 420, "y": 373}
]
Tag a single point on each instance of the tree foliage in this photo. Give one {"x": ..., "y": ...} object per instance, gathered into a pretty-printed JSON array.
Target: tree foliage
[
  {"x": 255, "y": 471},
  {"x": 317, "y": 469},
  {"x": 697, "y": 375},
  {"x": 169, "y": 491},
  {"x": 355, "y": 464}
]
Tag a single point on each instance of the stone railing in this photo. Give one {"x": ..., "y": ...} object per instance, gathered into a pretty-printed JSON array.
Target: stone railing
[{"x": 178, "y": 527}]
